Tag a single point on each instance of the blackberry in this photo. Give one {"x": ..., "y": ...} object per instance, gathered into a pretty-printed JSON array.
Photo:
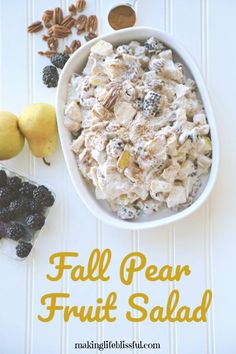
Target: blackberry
[
  {"x": 23, "y": 249},
  {"x": 128, "y": 212},
  {"x": 151, "y": 103},
  {"x": 14, "y": 183},
  {"x": 59, "y": 60},
  {"x": 20, "y": 206},
  {"x": 5, "y": 196},
  {"x": 27, "y": 189},
  {"x": 50, "y": 76},
  {"x": 5, "y": 214},
  {"x": 3, "y": 178},
  {"x": 2, "y": 230},
  {"x": 15, "y": 231},
  {"x": 35, "y": 221},
  {"x": 153, "y": 46},
  {"x": 42, "y": 195},
  {"x": 36, "y": 206}
]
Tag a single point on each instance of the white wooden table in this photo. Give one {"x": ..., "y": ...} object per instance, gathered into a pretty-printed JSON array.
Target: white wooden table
[{"x": 205, "y": 241}]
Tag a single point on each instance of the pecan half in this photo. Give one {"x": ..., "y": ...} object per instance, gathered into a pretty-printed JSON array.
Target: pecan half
[
  {"x": 75, "y": 45},
  {"x": 72, "y": 9},
  {"x": 67, "y": 50},
  {"x": 35, "y": 27},
  {"x": 47, "y": 18},
  {"x": 45, "y": 37},
  {"x": 59, "y": 31},
  {"x": 48, "y": 53},
  {"x": 68, "y": 22},
  {"x": 109, "y": 99},
  {"x": 57, "y": 16},
  {"x": 90, "y": 36},
  {"x": 80, "y": 5},
  {"x": 52, "y": 43},
  {"x": 92, "y": 24},
  {"x": 81, "y": 24}
]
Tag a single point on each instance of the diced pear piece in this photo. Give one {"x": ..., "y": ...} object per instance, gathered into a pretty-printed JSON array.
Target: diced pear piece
[
  {"x": 102, "y": 48},
  {"x": 124, "y": 159},
  {"x": 124, "y": 112}
]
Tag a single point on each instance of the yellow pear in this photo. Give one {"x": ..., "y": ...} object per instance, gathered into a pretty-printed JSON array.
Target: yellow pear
[
  {"x": 37, "y": 123},
  {"x": 11, "y": 139}
]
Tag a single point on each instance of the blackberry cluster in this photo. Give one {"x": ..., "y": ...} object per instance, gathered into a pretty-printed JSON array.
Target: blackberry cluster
[
  {"x": 3, "y": 178},
  {"x": 19, "y": 207},
  {"x": 5, "y": 214},
  {"x": 50, "y": 76},
  {"x": 36, "y": 207},
  {"x": 26, "y": 190},
  {"x": 23, "y": 249},
  {"x": 59, "y": 60},
  {"x": 5, "y": 196},
  {"x": 43, "y": 196},
  {"x": 153, "y": 46},
  {"x": 14, "y": 183},
  {"x": 151, "y": 103},
  {"x": 35, "y": 222},
  {"x": 22, "y": 207},
  {"x": 15, "y": 231}
]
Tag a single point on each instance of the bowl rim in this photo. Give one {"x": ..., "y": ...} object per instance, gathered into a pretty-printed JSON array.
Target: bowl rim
[{"x": 90, "y": 203}]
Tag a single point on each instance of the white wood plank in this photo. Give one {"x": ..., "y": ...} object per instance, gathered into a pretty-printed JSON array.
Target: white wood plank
[
  {"x": 204, "y": 240},
  {"x": 221, "y": 78},
  {"x": 120, "y": 243},
  {"x": 189, "y": 236},
  {"x": 14, "y": 94},
  {"x": 151, "y": 13},
  {"x": 70, "y": 224},
  {"x": 51, "y": 238},
  {"x": 187, "y": 25},
  {"x": 154, "y": 243}
]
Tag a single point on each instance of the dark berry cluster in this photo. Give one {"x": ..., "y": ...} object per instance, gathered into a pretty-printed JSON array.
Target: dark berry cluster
[
  {"x": 153, "y": 46},
  {"x": 23, "y": 249},
  {"x": 151, "y": 103},
  {"x": 50, "y": 72},
  {"x": 22, "y": 210},
  {"x": 59, "y": 60},
  {"x": 50, "y": 76}
]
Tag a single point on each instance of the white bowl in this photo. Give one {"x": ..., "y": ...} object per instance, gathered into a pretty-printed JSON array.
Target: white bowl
[{"x": 100, "y": 208}]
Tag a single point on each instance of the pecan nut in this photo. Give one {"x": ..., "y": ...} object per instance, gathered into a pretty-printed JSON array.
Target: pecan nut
[
  {"x": 80, "y": 5},
  {"x": 35, "y": 27},
  {"x": 81, "y": 24},
  {"x": 109, "y": 99},
  {"x": 45, "y": 37},
  {"x": 57, "y": 16},
  {"x": 48, "y": 53},
  {"x": 92, "y": 24},
  {"x": 52, "y": 43},
  {"x": 76, "y": 44},
  {"x": 47, "y": 18},
  {"x": 90, "y": 36},
  {"x": 72, "y": 9},
  {"x": 68, "y": 22},
  {"x": 59, "y": 31},
  {"x": 67, "y": 50}
]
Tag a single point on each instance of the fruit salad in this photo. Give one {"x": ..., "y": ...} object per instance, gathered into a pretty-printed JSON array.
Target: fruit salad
[
  {"x": 24, "y": 206},
  {"x": 139, "y": 130}
]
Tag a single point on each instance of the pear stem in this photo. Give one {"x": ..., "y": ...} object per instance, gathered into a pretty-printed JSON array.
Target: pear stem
[{"x": 46, "y": 162}]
